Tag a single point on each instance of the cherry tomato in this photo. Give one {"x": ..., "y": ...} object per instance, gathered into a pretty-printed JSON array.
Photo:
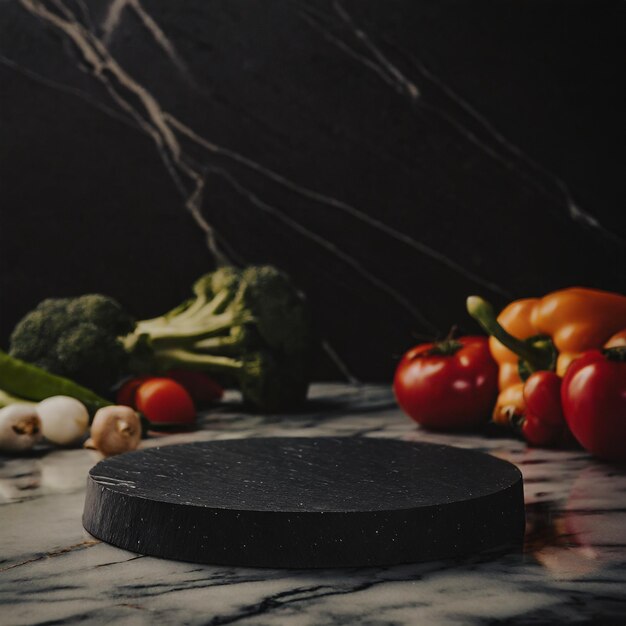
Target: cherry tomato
[
  {"x": 448, "y": 385},
  {"x": 544, "y": 423},
  {"x": 162, "y": 400},
  {"x": 126, "y": 393},
  {"x": 538, "y": 433},
  {"x": 202, "y": 388},
  {"x": 542, "y": 393}
]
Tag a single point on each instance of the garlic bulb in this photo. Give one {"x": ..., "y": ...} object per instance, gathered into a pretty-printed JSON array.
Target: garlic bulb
[
  {"x": 20, "y": 427},
  {"x": 115, "y": 429},
  {"x": 64, "y": 420}
]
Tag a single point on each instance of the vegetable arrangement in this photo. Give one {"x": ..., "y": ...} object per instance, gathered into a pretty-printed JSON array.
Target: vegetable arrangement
[
  {"x": 553, "y": 368},
  {"x": 560, "y": 366},
  {"x": 250, "y": 328},
  {"x": 246, "y": 326}
]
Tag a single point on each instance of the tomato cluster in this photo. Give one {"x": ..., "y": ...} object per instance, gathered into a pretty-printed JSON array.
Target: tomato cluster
[
  {"x": 452, "y": 385},
  {"x": 170, "y": 400}
]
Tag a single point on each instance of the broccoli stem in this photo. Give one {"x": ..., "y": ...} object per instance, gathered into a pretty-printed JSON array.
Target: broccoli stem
[
  {"x": 204, "y": 306},
  {"x": 193, "y": 310},
  {"x": 218, "y": 344},
  {"x": 210, "y": 326},
  {"x": 173, "y": 358}
]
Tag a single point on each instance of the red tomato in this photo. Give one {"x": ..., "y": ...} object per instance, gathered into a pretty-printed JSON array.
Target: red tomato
[
  {"x": 448, "y": 385},
  {"x": 163, "y": 400},
  {"x": 542, "y": 393},
  {"x": 202, "y": 388},
  {"x": 538, "y": 433},
  {"x": 594, "y": 402},
  {"x": 544, "y": 423},
  {"x": 126, "y": 393}
]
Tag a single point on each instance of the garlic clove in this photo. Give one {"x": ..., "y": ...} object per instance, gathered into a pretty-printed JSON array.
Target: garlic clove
[
  {"x": 20, "y": 427},
  {"x": 115, "y": 429}
]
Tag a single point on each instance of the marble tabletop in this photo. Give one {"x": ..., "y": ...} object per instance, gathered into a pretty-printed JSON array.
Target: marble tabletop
[{"x": 571, "y": 570}]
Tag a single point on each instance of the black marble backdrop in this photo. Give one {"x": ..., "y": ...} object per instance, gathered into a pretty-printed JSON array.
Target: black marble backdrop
[{"x": 393, "y": 155}]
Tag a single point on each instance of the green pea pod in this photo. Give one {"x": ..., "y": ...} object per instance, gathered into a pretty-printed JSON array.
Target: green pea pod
[{"x": 18, "y": 378}]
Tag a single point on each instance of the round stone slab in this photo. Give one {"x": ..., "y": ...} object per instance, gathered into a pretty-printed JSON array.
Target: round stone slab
[{"x": 305, "y": 502}]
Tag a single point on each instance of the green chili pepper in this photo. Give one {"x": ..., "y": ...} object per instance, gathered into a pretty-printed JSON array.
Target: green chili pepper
[{"x": 18, "y": 378}]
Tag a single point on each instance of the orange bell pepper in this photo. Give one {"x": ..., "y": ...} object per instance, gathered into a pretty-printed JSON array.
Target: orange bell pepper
[{"x": 546, "y": 333}]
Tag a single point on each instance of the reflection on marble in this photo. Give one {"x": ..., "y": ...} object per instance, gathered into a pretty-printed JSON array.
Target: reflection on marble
[{"x": 572, "y": 568}]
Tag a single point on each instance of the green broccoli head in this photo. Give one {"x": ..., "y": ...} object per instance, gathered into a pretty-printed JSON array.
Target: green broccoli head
[
  {"x": 76, "y": 338},
  {"x": 252, "y": 325},
  {"x": 280, "y": 311},
  {"x": 92, "y": 356},
  {"x": 103, "y": 311},
  {"x": 34, "y": 337}
]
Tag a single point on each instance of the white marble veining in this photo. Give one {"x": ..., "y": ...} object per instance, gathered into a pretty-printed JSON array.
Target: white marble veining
[{"x": 572, "y": 568}]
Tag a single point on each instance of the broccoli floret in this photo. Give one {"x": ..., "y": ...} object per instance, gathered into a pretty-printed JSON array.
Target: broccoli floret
[
  {"x": 281, "y": 319},
  {"x": 103, "y": 311},
  {"x": 280, "y": 313},
  {"x": 34, "y": 337},
  {"x": 252, "y": 324},
  {"x": 76, "y": 338},
  {"x": 92, "y": 356}
]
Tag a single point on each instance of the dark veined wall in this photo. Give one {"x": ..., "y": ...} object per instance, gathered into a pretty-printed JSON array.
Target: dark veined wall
[{"x": 393, "y": 156}]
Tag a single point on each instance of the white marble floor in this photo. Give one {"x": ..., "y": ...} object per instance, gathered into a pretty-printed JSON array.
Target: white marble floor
[{"x": 572, "y": 569}]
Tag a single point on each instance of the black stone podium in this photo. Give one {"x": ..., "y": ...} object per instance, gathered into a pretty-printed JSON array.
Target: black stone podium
[{"x": 306, "y": 502}]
